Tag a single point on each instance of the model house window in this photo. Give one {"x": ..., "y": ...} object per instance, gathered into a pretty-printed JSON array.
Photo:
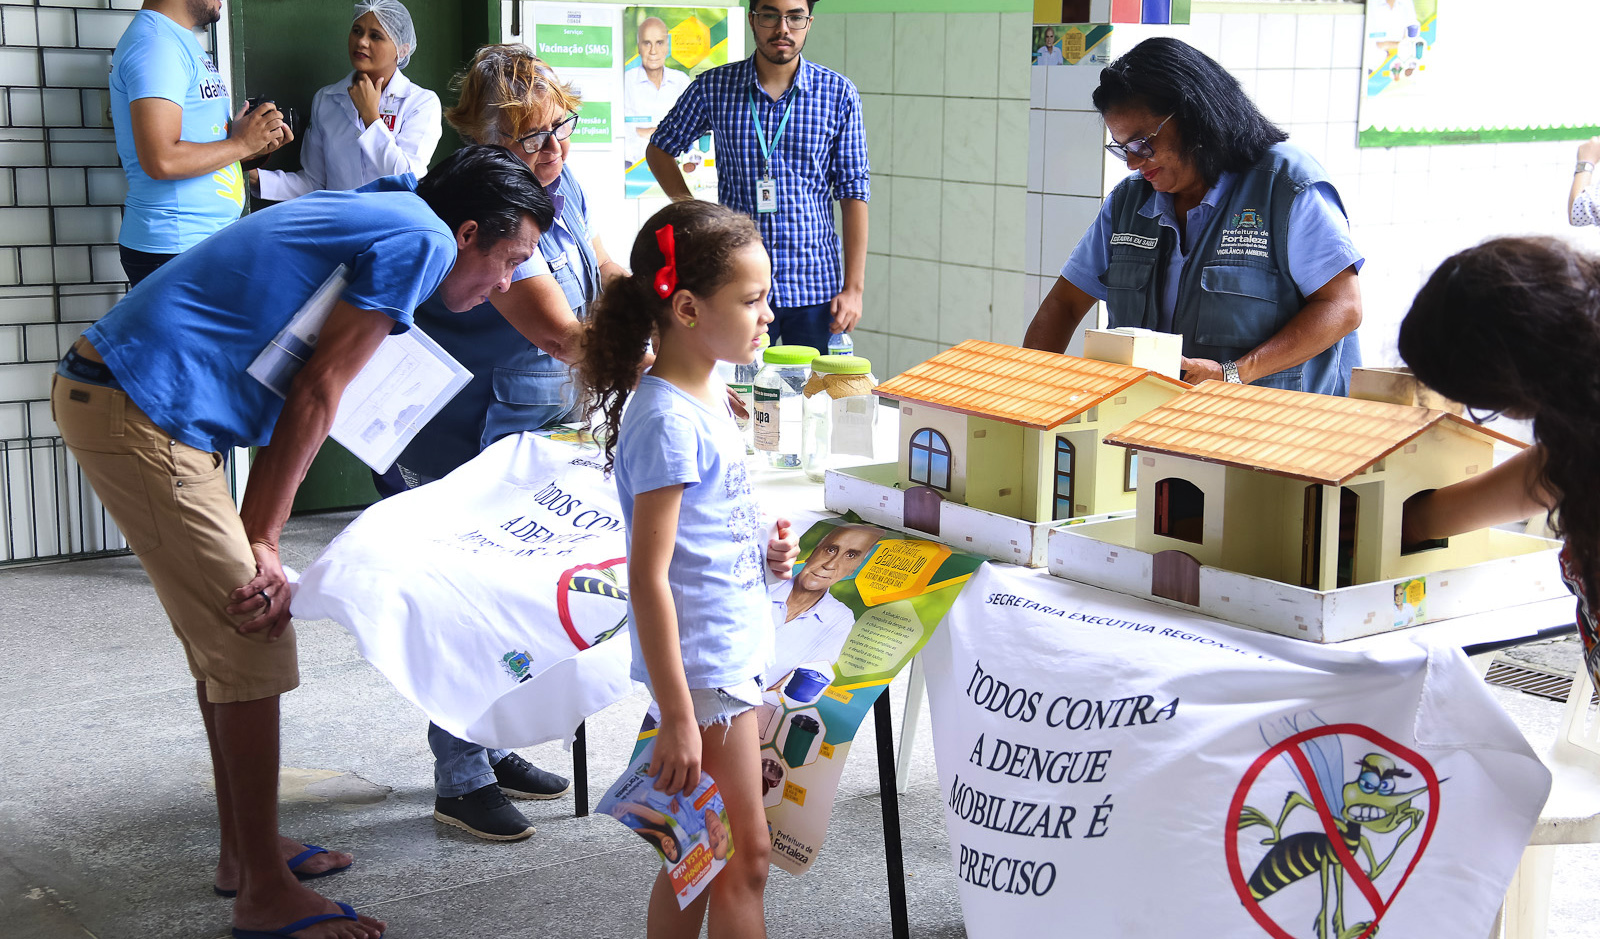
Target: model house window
[
  {"x": 1180, "y": 510},
  {"x": 1066, "y": 455},
  {"x": 1130, "y": 470},
  {"x": 930, "y": 459}
]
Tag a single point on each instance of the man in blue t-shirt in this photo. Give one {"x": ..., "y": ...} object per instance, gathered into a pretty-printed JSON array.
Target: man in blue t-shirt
[
  {"x": 169, "y": 110},
  {"x": 153, "y": 395}
]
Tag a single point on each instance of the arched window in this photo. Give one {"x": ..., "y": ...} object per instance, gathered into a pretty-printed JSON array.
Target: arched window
[
  {"x": 1065, "y": 458},
  {"x": 1180, "y": 510},
  {"x": 930, "y": 459}
]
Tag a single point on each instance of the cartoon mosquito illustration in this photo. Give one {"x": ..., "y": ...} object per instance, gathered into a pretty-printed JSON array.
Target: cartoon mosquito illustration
[
  {"x": 604, "y": 585},
  {"x": 1369, "y": 803}
]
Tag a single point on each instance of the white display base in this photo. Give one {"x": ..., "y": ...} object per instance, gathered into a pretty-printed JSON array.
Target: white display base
[
  {"x": 872, "y": 493},
  {"x": 1524, "y": 570}
]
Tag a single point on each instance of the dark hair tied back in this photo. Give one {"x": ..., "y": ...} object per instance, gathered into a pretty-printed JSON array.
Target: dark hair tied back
[
  {"x": 617, "y": 334},
  {"x": 1514, "y": 325},
  {"x": 1222, "y": 128}
]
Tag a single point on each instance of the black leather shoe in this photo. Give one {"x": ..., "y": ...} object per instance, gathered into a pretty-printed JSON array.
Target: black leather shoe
[
  {"x": 484, "y": 812},
  {"x": 520, "y": 779}
]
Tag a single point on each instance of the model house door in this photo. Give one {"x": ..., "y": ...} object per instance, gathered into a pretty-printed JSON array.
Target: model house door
[
  {"x": 922, "y": 509},
  {"x": 1311, "y": 537},
  {"x": 1175, "y": 575}
]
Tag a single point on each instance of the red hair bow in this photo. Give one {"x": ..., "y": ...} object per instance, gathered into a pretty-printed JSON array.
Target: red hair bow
[{"x": 667, "y": 277}]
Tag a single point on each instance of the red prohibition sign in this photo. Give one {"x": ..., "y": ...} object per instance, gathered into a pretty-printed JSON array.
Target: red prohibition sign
[
  {"x": 564, "y": 607},
  {"x": 1363, "y": 883}
]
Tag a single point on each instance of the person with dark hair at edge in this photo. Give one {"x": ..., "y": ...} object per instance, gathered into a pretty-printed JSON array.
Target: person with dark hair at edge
[
  {"x": 1224, "y": 233},
  {"x": 518, "y": 346},
  {"x": 176, "y": 144},
  {"x": 373, "y": 122},
  {"x": 152, "y": 396},
  {"x": 1513, "y": 326},
  {"x": 790, "y": 143}
]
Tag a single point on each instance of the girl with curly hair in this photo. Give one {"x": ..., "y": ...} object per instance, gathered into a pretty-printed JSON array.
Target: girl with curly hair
[{"x": 697, "y": 599}]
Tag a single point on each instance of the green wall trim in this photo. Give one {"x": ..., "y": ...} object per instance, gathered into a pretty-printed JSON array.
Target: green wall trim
[
  {"x": 1380, "y": 137},
  {"x": 924, "y": 6}
]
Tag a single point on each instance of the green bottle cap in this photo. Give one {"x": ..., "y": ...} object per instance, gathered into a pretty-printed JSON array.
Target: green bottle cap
[
  {"x": 789, "y": 355},
  {"x": 841, "y": 364}
]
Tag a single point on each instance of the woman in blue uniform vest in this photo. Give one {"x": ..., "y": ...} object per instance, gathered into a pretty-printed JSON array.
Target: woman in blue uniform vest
[
  {"x": 517, "y": 346},
  {"x": 1223, "y": 233}
]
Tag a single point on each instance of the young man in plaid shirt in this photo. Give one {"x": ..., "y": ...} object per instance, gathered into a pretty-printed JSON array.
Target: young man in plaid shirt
[{"x": 789, "y": 142}]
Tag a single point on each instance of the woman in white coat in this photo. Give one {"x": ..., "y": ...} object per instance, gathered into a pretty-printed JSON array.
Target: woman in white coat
[{"x": 374, "y": 122}]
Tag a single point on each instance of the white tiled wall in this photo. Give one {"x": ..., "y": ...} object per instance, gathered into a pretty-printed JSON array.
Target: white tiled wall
[
  {"x": 1409, "y": 207},
  {"x": 945, "y": 101}
]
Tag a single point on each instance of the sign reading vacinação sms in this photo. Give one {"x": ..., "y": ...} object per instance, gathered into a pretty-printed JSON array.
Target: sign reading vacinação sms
[{"x": 572, "y": 46}]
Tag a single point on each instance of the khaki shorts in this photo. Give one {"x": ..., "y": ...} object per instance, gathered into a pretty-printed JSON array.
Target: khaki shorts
[{"x": 172, "y": 504}]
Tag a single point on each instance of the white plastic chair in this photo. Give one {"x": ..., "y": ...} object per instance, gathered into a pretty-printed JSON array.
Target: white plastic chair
[{"x": 1570, "y": 816}]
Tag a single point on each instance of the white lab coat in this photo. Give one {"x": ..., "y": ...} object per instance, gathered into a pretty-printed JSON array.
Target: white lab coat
[{"x": 339, "y": 153}]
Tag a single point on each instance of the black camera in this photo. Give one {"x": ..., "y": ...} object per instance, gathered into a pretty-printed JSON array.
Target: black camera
[{"x": 290, "y": 118}]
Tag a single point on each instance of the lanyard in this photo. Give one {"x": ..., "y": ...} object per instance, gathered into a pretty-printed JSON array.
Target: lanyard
[{"x": 761, "y": 137}]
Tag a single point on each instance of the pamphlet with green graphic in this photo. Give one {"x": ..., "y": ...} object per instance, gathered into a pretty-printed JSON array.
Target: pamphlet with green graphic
[{"x": 862, "y": 603}]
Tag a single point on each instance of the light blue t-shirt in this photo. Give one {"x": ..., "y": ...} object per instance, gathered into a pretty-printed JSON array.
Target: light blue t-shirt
[
  {"x": 179, "y": 343},
  {"x": 157, "y": 58},
  {"x": 716, "y": 572},
  {"x": 1319, "y": 241}
]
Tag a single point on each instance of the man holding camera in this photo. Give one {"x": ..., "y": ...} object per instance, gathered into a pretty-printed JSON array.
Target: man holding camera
[{"x": 180, "y": 151}]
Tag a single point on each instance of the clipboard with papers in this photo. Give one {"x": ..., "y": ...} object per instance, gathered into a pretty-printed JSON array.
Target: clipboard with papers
[{"x": 407, "y": 381}]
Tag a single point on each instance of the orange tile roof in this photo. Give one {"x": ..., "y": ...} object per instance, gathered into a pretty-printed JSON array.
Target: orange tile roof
[
  {"x": 1318, "y": 438},
  {"x": 1019, "y": 386}
]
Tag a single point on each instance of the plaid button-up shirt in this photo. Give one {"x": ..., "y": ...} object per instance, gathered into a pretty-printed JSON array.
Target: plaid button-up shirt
[{"x": 821, "y": 157}]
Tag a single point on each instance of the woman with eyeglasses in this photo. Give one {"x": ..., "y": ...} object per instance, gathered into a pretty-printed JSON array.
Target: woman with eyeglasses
[
  {"x": 1513, "y": 325},
  {"x": 518, "y": 345},
  {"x": 1223, "y": 233},
  {"x": 374, "y": 122}
]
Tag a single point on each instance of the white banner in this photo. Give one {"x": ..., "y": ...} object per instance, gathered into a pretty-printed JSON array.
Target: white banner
[
  {"x": 493, "y": 599},
  {"x": 1125, "y": 769}
]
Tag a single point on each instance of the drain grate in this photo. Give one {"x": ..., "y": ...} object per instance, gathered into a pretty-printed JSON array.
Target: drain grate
[{"x": 1538, "y": 681}]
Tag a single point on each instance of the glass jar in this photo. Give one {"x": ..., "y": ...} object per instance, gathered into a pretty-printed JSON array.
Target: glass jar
[
  {"x": 741, "y": 380},
  {"x": 840, "y": 415},
  {"x": 778, "y": 389}
]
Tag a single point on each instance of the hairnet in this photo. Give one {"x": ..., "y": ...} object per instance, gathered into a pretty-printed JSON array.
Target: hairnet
[{"x": 396, "y": 21}]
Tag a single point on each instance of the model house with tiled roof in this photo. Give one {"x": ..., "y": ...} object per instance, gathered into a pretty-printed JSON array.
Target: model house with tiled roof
[
  {"x": 1300, "y": 488},
  {"x": 1019, "y": 432}
]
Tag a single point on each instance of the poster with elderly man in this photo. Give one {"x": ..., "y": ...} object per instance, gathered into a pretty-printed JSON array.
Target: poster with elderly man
[{"x": 666, "y": 48}]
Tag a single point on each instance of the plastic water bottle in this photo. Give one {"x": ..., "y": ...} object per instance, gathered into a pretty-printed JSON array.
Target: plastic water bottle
[{"x": 841, "y": 344}]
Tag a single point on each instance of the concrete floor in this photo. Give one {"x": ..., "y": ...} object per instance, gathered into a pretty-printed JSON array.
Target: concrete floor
[{"x": 107, "y": 824}]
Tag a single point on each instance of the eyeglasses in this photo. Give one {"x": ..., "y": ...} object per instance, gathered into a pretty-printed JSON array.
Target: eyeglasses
[
  {"x": 1138, "y": 146},
  {"x": 536, "y": 141},
  {"x": 795, "y": 21}
]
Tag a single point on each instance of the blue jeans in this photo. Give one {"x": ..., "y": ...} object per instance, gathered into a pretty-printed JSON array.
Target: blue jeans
[
  {"x": 802, "y": 326},
  {"x": 140, "y": 264},
  {"x": 460, "y": 767}
]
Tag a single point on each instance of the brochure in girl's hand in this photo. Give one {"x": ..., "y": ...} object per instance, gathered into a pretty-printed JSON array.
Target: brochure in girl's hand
[{"x": 690, "y": 833}]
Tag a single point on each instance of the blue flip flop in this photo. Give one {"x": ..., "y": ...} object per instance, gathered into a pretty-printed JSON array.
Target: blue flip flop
[
  {"x": 312, "y": 850},
  {"x": 346, "y": 912}
]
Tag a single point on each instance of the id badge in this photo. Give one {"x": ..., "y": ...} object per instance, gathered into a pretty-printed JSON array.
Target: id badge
[{"x": 766, "y": 194}]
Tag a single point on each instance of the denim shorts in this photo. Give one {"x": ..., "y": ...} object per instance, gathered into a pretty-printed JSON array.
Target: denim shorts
[{"x": 714, "y": 706}]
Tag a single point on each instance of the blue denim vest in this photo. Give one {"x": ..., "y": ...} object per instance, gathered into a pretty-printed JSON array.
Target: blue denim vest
[
  {"x": 1236, "y": 291},
  {"x": 515, "y": 386}
]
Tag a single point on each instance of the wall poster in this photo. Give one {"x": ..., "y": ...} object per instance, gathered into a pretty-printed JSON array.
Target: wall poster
[{"x": 1456, "y": 71}]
